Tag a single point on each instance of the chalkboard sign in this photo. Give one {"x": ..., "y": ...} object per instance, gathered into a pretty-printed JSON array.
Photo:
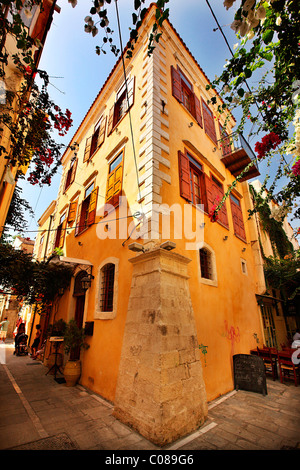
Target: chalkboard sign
[{"x": 249, "y": 373}]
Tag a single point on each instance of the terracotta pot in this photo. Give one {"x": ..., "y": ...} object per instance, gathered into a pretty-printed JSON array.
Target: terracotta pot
[{"x": 72, "y": 372}]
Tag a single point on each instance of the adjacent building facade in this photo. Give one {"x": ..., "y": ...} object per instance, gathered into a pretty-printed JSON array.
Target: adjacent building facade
[
  {"x": 172, "y": 294},
  {"x": 38, "y": 21}
]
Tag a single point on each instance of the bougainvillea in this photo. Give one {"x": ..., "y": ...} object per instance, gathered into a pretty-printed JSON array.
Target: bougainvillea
[{"x": 269, "y": 142}]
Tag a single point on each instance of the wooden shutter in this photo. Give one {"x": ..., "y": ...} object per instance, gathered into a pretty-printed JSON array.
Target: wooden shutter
[
  {"x": 114, "y": 185},
  {"x": 218, "y": 194},
  {"x": 110, "y": 120},
  {"x": 62, "y": 234},
  {"x": 130, "y": 87},
  {"x": 210, "y": 197},
  {"x": 209, "y": 124},
  {"x": 238, "y": 221},
  {"x": 87, "y": 149},
  {"x": 184, "y": 176},
  {"x": 101, "y": 134},
  {"x": 72, "y": 212},
  {"x": 74, "y": 168},
  {"x": 92, "y": 206},
  {"x": 198, "y": 114},
  {"x": 77, "y": 228},
  {"x": 176, "y": 84}
]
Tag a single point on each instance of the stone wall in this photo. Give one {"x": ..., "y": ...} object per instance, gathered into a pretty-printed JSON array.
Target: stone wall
[{"x": 160, "y": 390}]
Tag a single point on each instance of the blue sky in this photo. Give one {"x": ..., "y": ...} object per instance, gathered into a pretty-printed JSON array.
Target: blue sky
[{"x": 77, "y": 73}]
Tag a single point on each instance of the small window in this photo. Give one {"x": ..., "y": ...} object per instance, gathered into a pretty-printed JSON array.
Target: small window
[
  {"x": 94, "y": 142},
  {"x": 206, "y": 264},
  {"x": 123, "y": 102},
  {"x": 61, "y": 232},
  {"x": 107, "y": 287},
  {"x": 244, "y": 266},
  {"x": 87, "y": 210},
  {"x": 114, "y": 180},
  {"x": 71, "y": 173},
  {"x": 183, "y": 91}
]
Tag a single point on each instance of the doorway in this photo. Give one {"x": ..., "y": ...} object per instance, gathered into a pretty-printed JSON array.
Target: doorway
[{"x": 269, "y": 325}]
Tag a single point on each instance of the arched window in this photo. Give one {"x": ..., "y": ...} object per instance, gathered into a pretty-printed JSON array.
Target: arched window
[{"x": 107, "y": 288}]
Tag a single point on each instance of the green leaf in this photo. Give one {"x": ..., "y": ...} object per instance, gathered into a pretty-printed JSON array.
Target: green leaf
[{"x": 267, "y": 36}]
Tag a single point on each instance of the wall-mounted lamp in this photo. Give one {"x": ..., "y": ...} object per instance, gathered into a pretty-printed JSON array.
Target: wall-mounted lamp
[
  {"x": 168, "y": 245},
  {"x": 86, "y": 281},
  {"x": 225, "y": 238},
  {"x": 191, "y": 124},
  {"x": 138, "y": 247}
]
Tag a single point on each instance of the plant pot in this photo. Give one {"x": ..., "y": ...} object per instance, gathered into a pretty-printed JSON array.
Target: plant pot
[{"x": 72, "y": 372}]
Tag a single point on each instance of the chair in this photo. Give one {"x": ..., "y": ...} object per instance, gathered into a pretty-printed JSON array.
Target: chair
[
  {"x": 269, "y": 361},
  {"x": 286, "y": 366}
]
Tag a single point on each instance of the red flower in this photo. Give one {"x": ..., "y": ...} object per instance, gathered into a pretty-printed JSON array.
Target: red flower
[
  {"x": 296, "y": 168},
  {"x": 268, "y": 142}
]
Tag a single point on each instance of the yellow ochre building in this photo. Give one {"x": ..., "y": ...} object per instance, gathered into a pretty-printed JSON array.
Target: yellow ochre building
[{"x": 172, "y": 294}]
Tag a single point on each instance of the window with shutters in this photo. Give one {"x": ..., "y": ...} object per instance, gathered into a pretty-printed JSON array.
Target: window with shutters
[
  {"x": 124, "y": 101},
  {"x": 87, "y": 209},
  {"x": 183, "y": 91},
  {"x": 61, "y": 232},
  {"x": 237, "y": 218},
  {"x": 209, "y": 122},
  {"x": 192, "y": 179},
  {"x": 114, "y": 180},
  {"x": 199, "y": 188},
  {"x": 94, "y": 142},
  {"x": 71, "y": 173}
]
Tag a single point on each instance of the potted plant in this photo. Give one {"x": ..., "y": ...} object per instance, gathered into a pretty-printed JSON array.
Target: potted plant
[{"x": 74, "y": 341}]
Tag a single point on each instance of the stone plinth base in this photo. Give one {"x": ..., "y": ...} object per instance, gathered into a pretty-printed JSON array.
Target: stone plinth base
[{"x": 160, "y": 390}]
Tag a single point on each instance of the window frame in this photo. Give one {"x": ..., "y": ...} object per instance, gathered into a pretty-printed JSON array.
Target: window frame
[
  {"x": 96, "y": 140},
  {"x": 70, "y": 176},
  {"x": 237, "y": 218},
  {"x": 100, "y": 314},
  {"x": 115, "y": 179},
  {"x": 61, "y": 231},
  {"x": 86, "y": 213},
  {"x": 122, "y": 99},
  {"x": 213, "y": 281},
  {"x": 181, "y": 83},
  {"x": 209, "y": 122}
]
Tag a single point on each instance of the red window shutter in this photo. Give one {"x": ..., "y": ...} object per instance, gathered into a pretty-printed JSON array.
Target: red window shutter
[
  {"x": 198, "y": 114},
  {"x": 218, "y": 194},
  {"x": 87, "y": 149},
  {"x": 210, "y": 197},
  {"x": 238, "y": 221},
  {"x": 184, "y": 176},
  {"x": 110, "y": 120},
  {"x": 176, "y": 84},
  {"x": 209, "y": 123},
  {"x": 92, "y": 206},
  {"x": 77, "y": 228}
]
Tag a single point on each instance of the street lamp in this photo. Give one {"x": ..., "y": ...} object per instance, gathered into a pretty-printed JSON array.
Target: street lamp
[{"x": 86, "y": 282}]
